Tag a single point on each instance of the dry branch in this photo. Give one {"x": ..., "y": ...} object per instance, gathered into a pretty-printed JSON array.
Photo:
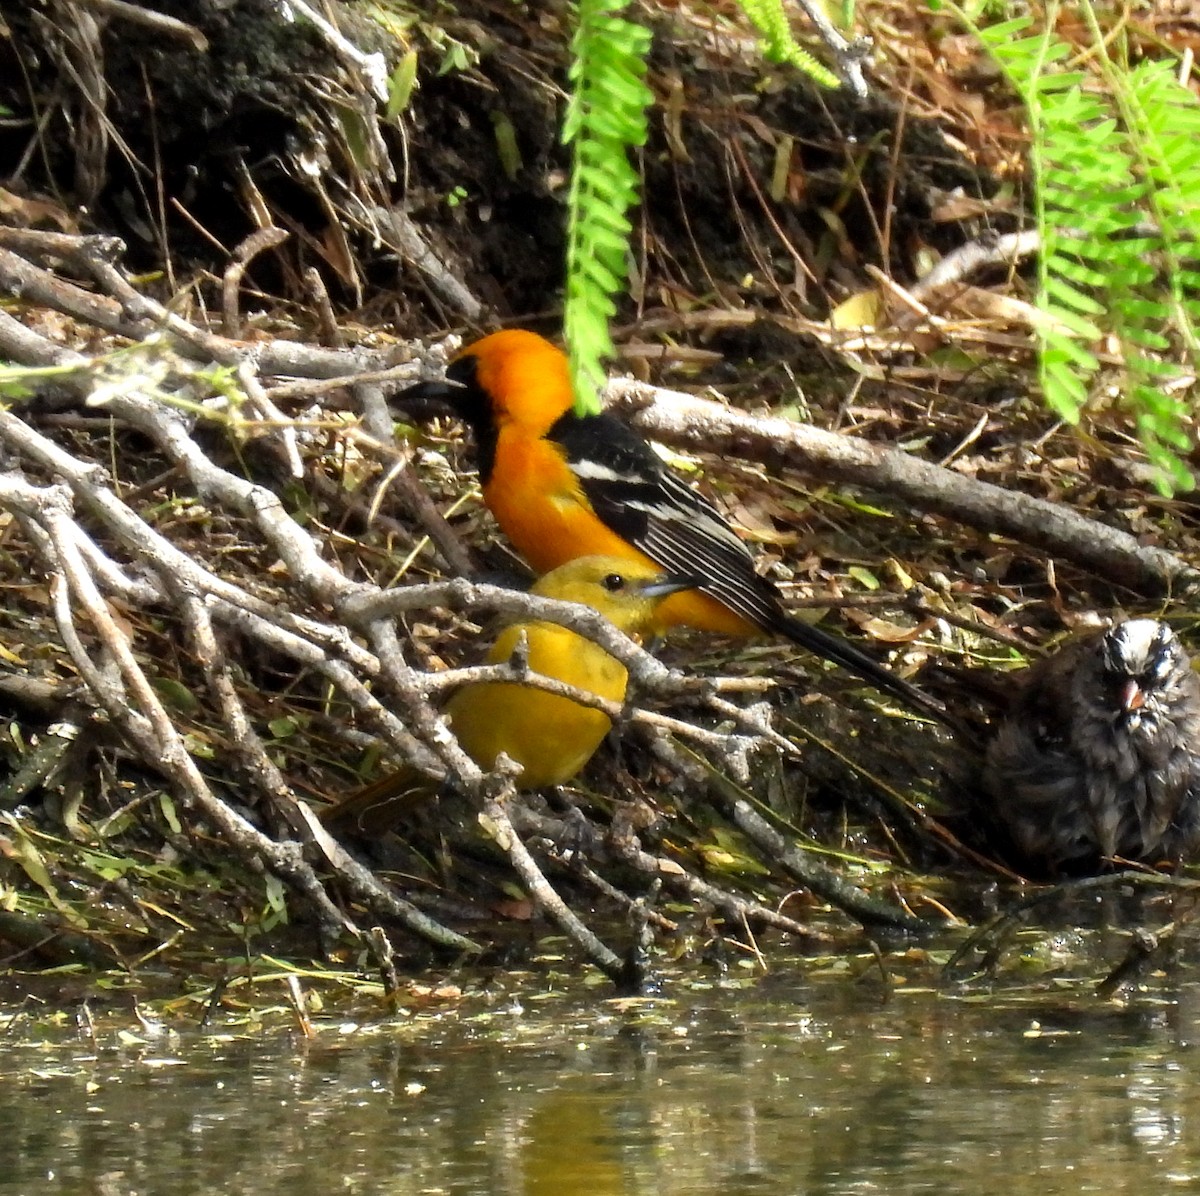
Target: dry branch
[{"x": 687, "y": 421}]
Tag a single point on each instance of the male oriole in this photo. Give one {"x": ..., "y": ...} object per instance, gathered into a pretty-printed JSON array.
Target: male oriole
[
  {"x": 550, "y": 736},
  {"x": 563, "y": 485}
]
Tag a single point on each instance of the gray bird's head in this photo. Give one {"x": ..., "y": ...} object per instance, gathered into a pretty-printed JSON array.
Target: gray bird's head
[{"x": 1143, "y": 668}]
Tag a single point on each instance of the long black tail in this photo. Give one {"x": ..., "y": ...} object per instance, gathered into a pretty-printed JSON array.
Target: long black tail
[{"x": 832, "y": 647}]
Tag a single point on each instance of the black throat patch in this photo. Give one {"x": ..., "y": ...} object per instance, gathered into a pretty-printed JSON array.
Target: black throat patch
[{"x": 472, "y": 405}]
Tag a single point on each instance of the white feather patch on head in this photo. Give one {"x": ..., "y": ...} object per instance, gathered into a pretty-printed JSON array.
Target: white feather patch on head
[{"x": 1137, "y": 646}]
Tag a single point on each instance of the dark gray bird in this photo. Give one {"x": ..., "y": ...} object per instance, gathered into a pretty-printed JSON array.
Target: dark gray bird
[{"x": 1098, "y": 754}]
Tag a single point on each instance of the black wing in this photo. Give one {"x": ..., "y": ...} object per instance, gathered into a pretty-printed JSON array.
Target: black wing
[{"x": 642, "y": 501}]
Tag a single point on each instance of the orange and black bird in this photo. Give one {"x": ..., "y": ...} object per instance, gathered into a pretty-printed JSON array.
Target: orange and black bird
[{"x": 563, "y": 485}]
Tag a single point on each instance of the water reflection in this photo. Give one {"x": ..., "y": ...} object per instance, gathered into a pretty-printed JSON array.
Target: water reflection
[{"x": 782, "y": 1089}]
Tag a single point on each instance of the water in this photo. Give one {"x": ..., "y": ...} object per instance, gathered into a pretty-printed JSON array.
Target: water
[{"x": 782, "y": 1084}]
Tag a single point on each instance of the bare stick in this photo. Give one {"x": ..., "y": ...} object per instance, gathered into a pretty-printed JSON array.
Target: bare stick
[
  {"x": 159, "y": 22},
  {"x": 683, "y": 419},
  {"x": 500, "y": 827}
]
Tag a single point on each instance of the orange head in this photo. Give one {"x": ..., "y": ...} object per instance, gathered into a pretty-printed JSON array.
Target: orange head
[
  {"x": 522, "y": 375},
  {"x": 512, "y": 379}
]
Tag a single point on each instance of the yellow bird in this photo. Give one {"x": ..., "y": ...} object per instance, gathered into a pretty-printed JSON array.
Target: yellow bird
[{"x": 549, "y": 736}]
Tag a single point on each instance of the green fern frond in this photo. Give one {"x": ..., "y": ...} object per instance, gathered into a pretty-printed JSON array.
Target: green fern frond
[
  {"x": 605, "y": 117},
  {"x": 1165, "y": 118},
  {"x": 1116, "y": 163},
  {"x": 779, "y": 43}
]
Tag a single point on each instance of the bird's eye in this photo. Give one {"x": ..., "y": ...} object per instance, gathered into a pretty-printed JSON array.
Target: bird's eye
[{"x": 613, "y": 583}]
